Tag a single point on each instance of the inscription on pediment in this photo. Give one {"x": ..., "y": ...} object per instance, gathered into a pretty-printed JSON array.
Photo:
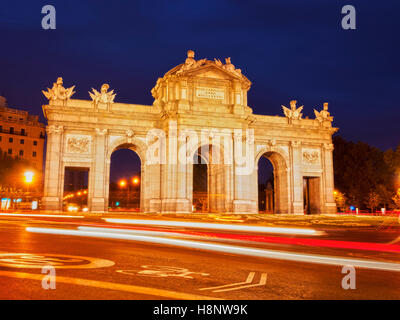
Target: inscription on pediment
[{"x": 210, "y": 93}]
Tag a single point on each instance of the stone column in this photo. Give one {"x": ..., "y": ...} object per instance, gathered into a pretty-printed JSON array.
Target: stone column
[
  {"x": 297, "y": 178},
  {"x": 330, "y": 204},
  {"x": 98, "y": 175},
  {"x": 174, "y": 197},
  {"x": 53, "y": 182},
  {"x": 244, "y": 199}
]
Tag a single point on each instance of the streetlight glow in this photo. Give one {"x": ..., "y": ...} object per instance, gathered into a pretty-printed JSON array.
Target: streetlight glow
[{"x": 28, "y": 176}]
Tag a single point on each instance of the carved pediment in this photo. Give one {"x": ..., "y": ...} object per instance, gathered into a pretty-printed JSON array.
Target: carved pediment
[
  {"x": 212, "y": 69},
  {"x": 209, "y": 69}
]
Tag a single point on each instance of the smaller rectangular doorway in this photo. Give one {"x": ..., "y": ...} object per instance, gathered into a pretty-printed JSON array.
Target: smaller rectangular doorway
[
  {"x": 311, "y": 195},
  {"x": 76, "y": 182}
]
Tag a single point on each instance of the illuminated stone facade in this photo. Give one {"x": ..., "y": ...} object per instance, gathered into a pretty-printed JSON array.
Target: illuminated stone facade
[
  {"x": 203, "y": 98},
  {"x": 21, "y": 135}
]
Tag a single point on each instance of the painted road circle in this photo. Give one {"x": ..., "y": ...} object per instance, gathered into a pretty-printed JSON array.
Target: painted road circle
[
  {"x": 59, "y": 261},
  {"x": 163, "y": 272}
]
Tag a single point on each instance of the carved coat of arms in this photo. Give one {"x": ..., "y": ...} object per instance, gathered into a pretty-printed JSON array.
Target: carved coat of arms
[{"x": 311, "y": 156}]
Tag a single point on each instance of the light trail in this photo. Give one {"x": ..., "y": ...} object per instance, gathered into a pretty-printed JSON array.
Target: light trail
[
  {"x": 218, "y": 226},
  {"x": 271, "y": 254},
  {"x": 323, "y": 243},
  {"x": 38, "y": 215},
  {"x": 139, "y": 232}
]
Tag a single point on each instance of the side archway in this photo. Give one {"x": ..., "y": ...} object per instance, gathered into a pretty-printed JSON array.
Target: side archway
[
  {"x": 281, "y": 190},
  {"x": 139, "y": 148}
]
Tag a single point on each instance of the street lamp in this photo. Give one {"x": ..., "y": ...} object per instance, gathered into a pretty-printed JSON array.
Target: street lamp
[
  {"x": 28, "y": 176},
  {"x": 135, "y": 180},
  {"x": 122, "y": 183},
  {"x": 28, "y": 179}
]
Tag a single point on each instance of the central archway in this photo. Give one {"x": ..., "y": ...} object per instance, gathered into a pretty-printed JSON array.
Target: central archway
[
  {"x": 208, "y": 179},
  {"x": 277, "y": 185}
]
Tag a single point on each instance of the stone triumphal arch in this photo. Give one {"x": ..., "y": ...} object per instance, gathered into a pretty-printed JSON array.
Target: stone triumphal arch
[{"x": 198, "y": 105}]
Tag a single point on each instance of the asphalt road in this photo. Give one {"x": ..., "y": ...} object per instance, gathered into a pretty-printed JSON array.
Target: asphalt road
[{"x": 106, "y": 268}]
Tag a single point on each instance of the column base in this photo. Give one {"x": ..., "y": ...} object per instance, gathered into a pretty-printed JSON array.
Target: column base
[
  {"x": 329, "y": 208},
  {"x": 176, "y": 206},
  {"x": 298, "y": 208},
  {"x": 245, "y": 207},
  {"x": 97, "y": 205},
  {"x": 52, "y": 204},
  {"x": 154, "y": 206}
]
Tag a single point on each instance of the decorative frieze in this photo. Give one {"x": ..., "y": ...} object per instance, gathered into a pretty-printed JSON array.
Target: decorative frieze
[{"x": 78, "y": 143}]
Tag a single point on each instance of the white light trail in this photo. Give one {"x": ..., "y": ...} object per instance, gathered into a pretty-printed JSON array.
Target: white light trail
[
  {"x": 38, "y": 215},
  {"x": 271, "y": 254},
  {"x": 218, "y": 226},
  {"x": 133, "y": 231}
]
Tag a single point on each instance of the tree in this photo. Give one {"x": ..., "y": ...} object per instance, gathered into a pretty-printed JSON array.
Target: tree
[
  {"x": 396, "y": 199},
  {"x": 341, "y": 200},
  {"x": 373, "y": 200},
  {"x": 360, "y": 168},
  {"x": 385, "y": 196}
]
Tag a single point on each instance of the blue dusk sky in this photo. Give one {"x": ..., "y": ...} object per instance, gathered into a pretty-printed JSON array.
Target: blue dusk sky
[{"x": 288, "y": 49}]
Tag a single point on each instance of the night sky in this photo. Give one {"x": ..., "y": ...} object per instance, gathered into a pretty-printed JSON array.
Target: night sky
[{"x": 288, "y": 49}]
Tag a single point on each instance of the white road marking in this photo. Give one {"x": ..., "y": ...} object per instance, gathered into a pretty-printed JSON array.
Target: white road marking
[
  {"x": 163, "y": 272},
  {"x": 263, "y": 281},
  {"x": 59, "y": 261},
  {"x": 271, "y": 254},
  {"x": 111, "y": 286},
  {"x": 249, "y": 279},
  {"x": 218, "y": 226}
]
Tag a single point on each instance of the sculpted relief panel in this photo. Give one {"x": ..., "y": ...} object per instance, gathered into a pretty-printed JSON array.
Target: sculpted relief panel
[
  {"x": 77, "y": 143},
  {"x": 311, "y": 156}
]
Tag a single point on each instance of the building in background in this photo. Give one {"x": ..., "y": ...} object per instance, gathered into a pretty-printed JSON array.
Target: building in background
[{"x": 21, "y": 134}]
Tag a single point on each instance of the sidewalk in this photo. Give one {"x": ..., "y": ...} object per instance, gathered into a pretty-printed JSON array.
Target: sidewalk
[{"x": 321, "y": 220}]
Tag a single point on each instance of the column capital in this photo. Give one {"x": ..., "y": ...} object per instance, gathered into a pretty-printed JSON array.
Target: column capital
[
  {"x": 295, "y": 143},
  {"x": 328, "y": 146},
  {"x": 54, "y": 129},
  {"x": 101, "y": 132}
]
